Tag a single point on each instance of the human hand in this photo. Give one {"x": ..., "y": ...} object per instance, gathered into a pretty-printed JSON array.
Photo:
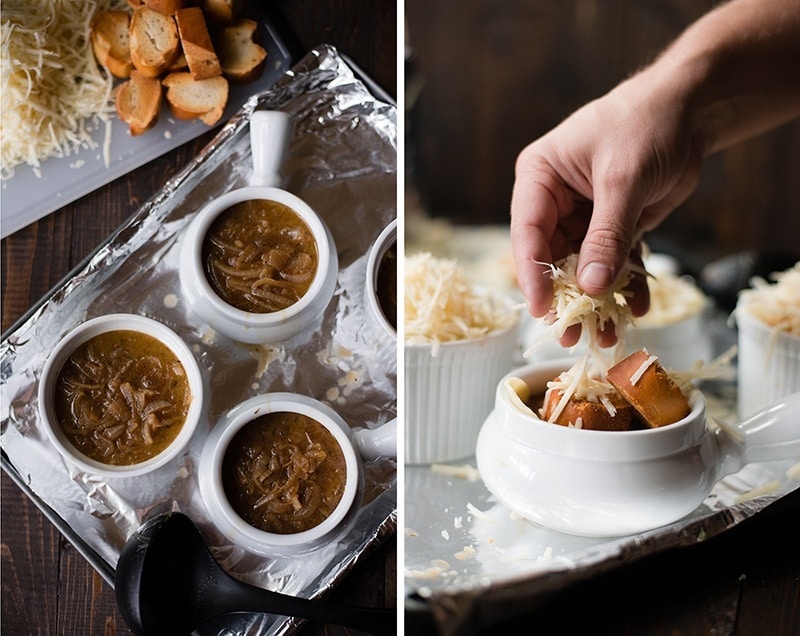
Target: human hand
[{"x": 594, "y": 184}]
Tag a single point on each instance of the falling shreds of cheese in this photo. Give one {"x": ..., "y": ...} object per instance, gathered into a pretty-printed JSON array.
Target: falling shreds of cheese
[
  {"x": 53, "y": 91},
  {"x": 442, "y": 305},
  {"x": 572, "y": 306}
]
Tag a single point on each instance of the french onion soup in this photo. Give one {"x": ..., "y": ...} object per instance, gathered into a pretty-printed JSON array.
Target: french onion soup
[
  {"x": 284, "y": 473},
  {"x": 260, "y": 256},
  {"x": 122, "y": 397}
]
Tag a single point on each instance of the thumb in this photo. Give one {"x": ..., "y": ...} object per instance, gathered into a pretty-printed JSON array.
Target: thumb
[{"x": 609, "y": 240}]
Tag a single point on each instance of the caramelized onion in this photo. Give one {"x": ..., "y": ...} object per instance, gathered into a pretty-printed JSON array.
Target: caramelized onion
[
  {"x": 284, "y": 473},
  {"x": 260, "y": 256},
  {"x": 122, "y": 397}
]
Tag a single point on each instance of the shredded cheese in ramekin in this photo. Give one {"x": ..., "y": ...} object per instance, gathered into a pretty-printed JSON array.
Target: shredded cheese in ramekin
[
  {"x": 776, "y": 305},
  {"x": 442, "y": 305}
]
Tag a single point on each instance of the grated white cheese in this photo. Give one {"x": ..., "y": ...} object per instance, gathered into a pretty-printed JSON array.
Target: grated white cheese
[
  {"x": 759, "y": 491},
  {"x": 672, "y": 298},
  {"x": 465, "y": 471},
  {"x": 776, "y": 304},
  {"x": 442, "y": 305},
  {"x": 52, "y": 87},
  {"x": 637, "y": 375},
  {"x": 585, "y": 380},
  {"x": 572, "y": 306}
]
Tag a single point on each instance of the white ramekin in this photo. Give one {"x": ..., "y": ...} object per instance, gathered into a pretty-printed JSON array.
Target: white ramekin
[
  {"x": 270, "y": 132},
  {"x": 245, "y": 326},
  {"x": 678, "y": 345},
  {"x": 222, "y": 514},
  {"x": 447, "y": 396},
  {"x": 81, "y": 334},
  {"x": 376, "y": 253},
  {"x": 769, "y": 363}
]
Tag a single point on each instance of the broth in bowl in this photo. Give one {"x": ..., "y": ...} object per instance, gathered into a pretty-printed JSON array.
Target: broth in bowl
[
  {"x": 260, "y": 256},
  {"x": 122, "y": 397},
  {"x": 284, "y": 473}
]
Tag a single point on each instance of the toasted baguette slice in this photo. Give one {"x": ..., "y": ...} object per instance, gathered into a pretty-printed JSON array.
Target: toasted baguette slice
[
  {"x": 154, "y": 41},
  {"x": 138, "y": 102},
  {"x": 196, "y": 99},
  {"x": 200, "y": 56},
  {"x": 644, "y": 383},
  {"x": 589, "y": 415},
  {"x": 241, "y": 58},
  {"x": 222, "y": 11},
  {"x": 167, "y": 7},
  {"x": 109, "y": 34},
  {"x": 180, "y": 64}
]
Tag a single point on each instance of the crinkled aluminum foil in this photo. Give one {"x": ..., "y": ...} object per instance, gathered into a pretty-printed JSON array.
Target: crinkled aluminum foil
[
  {"x": 342, "y": 161},
  {"x": 470, "y": 562}
]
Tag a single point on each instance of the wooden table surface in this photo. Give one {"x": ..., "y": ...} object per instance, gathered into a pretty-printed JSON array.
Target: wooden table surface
[{"x": 47, "y": 586}]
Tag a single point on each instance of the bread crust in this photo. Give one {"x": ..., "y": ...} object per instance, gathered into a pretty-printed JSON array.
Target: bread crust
[
  {"x": 110, "y": 37},
  {"x": 241, "y": 57},
  {"x": 154, "y": 41},
  {"x": 196, "y": 43},
  {"x": 196, "y": 99},
  {"x": 138, "y": 102},
  {"x": 223, "y": 11},
  {"x": 167, "y": 7},
  {"x": 657, "y": 399},
  {"x": 592, "y": 415}
]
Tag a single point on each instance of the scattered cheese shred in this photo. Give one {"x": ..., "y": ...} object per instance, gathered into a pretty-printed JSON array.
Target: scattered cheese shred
[
  {"x": 52, "y": 87},
  {"x": 637, "y": 375},
  {"x": 442, "y": 305},
  {"x": 776, "y": 304}
]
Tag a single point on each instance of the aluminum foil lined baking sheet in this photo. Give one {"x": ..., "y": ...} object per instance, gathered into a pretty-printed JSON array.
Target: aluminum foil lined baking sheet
[
  {"x": 470, "y": 561},
  {"x": 342, "y": 161}
]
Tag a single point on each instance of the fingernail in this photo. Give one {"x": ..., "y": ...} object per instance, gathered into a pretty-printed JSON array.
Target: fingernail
[{"x": 596, "y": 276}]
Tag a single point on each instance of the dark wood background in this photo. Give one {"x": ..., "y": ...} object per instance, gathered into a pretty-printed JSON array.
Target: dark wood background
[
  {"x": 493, "y": 76},
  {"x": 47, "y": 587}
]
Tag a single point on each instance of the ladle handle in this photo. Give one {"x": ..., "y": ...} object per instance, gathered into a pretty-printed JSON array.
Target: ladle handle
[
  {"x": 270, "y": 131},
  {"x": 773, "y": 433},
  {"x": 381, "y": 622},
  {"x": 377, "y": 442}
]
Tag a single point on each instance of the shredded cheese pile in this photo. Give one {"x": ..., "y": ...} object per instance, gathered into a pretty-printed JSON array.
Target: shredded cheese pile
[
  {"x": 672, "y": 298},
  {"x": 572, "y": 306},
  {"x": 776, "y": 304},
  {"x": 52, "y": 88},
  {"x": 442, "y": 305}
]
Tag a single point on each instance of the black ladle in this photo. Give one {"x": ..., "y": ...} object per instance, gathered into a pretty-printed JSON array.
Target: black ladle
[{"x": 168, "y": 582}]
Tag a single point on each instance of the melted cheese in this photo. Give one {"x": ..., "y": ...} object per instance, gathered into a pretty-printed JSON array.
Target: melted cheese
[
  {"x": 53, "y": 91},
  {"x": 442, "y": 305}
]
